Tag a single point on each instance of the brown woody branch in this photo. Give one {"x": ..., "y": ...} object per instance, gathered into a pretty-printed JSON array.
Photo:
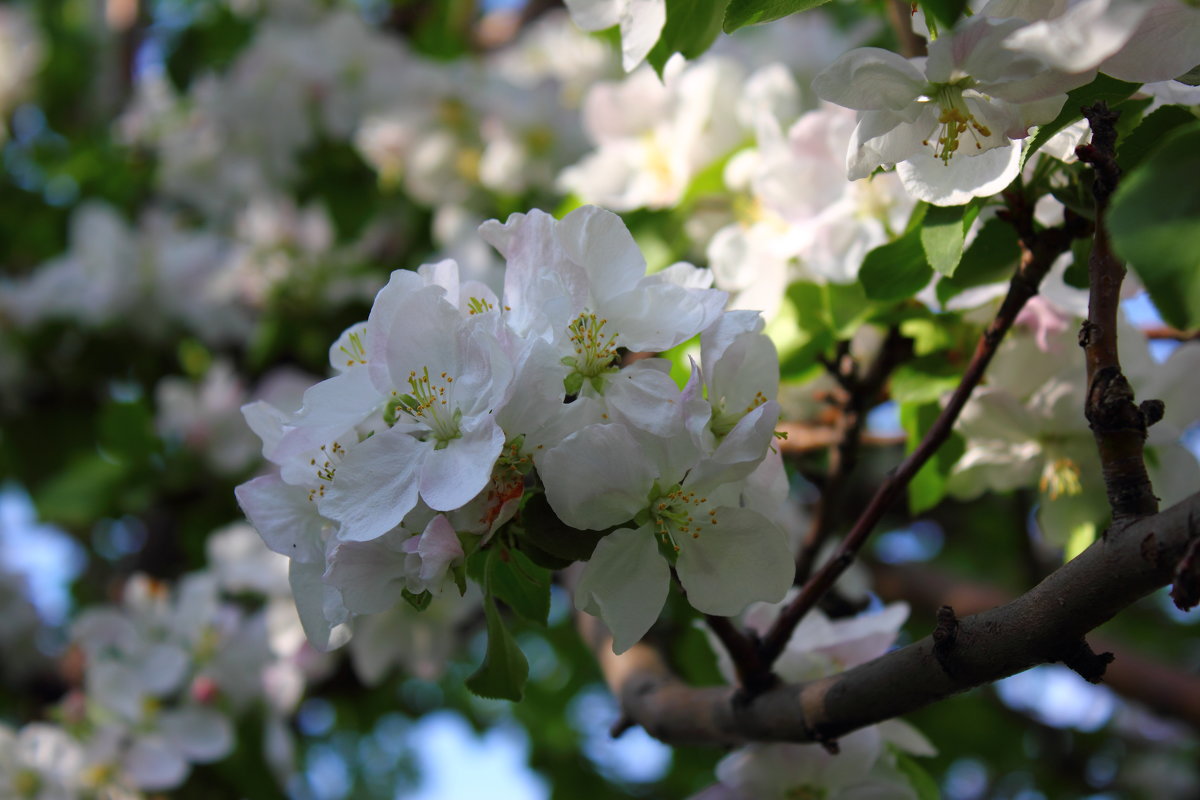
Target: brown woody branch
[
  {"x": 1117, "y": 423},
  {"x": 1165, "y": 690},
  {"x": 1043, "y": 625},
  {"x": 1039, "y": 250}
]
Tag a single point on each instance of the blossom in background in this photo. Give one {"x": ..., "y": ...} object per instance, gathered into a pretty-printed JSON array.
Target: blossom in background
[{"x": 640, "y": 21}]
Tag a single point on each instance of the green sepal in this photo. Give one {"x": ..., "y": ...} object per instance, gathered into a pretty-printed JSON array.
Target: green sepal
[{"x": 418, "y": 601}]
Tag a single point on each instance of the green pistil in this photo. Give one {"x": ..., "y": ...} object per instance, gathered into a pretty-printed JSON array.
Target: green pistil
[
  {"x": 428, "y": 402},
  {"x": 954, "y": 119},
  {"x": 677, "y": 513},
  {"x": 724, "y": 421},
  {"x": 595, "y": 353}
]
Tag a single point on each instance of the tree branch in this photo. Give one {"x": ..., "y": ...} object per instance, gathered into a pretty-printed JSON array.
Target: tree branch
[
  {"x": 1039, "y": 250},
  {"x": 1118, "y": 425},
  {"x": 1041, "y": 626},
  {"x": 1167, "y": 691}
]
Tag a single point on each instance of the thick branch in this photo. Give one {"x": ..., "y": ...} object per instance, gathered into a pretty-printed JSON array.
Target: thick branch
[
  {"x": 1039, "y": 250},
  {"x": 1118, "y": 424},
  {"x": 1041, "y": 626},
  {"x": 1167, "y": 691}
]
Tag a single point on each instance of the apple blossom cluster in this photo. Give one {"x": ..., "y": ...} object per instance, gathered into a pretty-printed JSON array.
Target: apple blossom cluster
[
  {"x": 951, "y": 122},
  {"x": 161, "y": 678},
  {"x": 452, "y": 405}
]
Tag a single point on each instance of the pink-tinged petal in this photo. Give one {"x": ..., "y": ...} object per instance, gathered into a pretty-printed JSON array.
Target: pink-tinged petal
[
  {"x": 453, "y": 475},
  {"x": 742, "y": 559},
  {"x": 597, "y": 477},
  {"x": 331, "y": 408},
  {"x": 598, "y": 241},
  {"x": 870, "y": 79},
  {"x": 152, "y": 765},
  {"x": 641, "y": 23},
  {"x": 625, "y": 584},
  {"x": 200, "y": 734},
  {"x": 288, "y": 522},
  {"x": 375, "y": 485},
  {"x": 322, "y": 614},
  {"x": 965, "y": 177},
  {"x": 438, "y": 548}
]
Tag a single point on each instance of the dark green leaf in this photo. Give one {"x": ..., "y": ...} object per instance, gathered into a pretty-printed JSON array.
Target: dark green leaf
[
  {"x": 1150, "y": 133},
  {"x": 990, "y": 258},
  {"x": 928, "y": 486},
  {"x": 548, "y": 534},
  {"x": 520, "y": 583},
  {"x": 942, "y": 235},
  {"x": 897, "y": 270},
  {"x": 1191, "y": 77},
  {"x": 690, "y": 29},
  {"x": 1110, "y": 90},
  {"x": 752, "y": 12},
  {"x": 504, "y": 670},
  {"x": 1154, "y": 221},
  {"x": 946, "y": 12}
]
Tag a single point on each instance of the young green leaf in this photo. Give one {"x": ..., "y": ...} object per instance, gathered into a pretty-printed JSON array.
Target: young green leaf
[
  {"x": 942, "y": 235},
  {"x": 896, "y": 270},
  {"x": 504, "y": 670},
  {"x": 520, "y": 583},
  {"x": 690, "y": 29},
  {"x": 751, "y": 12}
]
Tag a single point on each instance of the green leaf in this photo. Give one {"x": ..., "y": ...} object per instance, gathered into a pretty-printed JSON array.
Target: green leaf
[
  {"x": 897, "y": 270},
  {"x": 126, "y": 431},
  {"x": 752, "y": 12},
  {"x": 920, "y": 780},
  {"x": 690, "y": 29},
  {"x": 504, "y": 670},
  {"x": 946, "y": 12},
  {"x": 1191, "y": 77},
  {"x": 1110, "y": 90},
  {"x": 520, "y": 583},
  {"x": 545, "y": 532},
  {"x": 928, "y": 486},
  {"x": 1154, "y": 221},
  {"x": 991, "y": 257},
  {"x": 1150, "y": 133},
  {"x": 942, "y": 235},
  {"x": 924, "y": 380},
  {"x": 418, "y": 601}
]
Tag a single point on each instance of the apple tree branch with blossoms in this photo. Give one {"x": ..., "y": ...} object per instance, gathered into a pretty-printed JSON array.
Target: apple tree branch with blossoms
[{"x": 673, "y": 336}]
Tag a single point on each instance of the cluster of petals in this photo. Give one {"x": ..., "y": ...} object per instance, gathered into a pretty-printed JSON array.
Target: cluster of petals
[
  {"x": 951, "y": 122},
  {"x": 448, "y": 397},
  {"x": 866, "y": 762}
]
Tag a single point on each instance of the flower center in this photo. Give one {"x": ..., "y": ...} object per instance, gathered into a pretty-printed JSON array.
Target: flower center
[
  {"x": 326, "y": 464},
  {"x": 477, "y": 305},
  {"x": 954, "y": 120},
  {"x": 595, "y": 353},
  {"x": 677, "y": 512},
  {"x": 723, "y": 421},
  {"x": 429, "y": 402},
  {"x": 1060, "y": 478}
]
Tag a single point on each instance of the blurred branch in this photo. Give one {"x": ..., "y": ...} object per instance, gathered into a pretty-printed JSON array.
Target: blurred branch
[
  {"x": 1165, "y": 332},
  {"x": 858, "y": 396},
  {"x": 1038, "y": 627},
  {"x": 900, "y": 14},
  {"x": 1039, "y": 249},
  {"x": 1165, "y": 690}
]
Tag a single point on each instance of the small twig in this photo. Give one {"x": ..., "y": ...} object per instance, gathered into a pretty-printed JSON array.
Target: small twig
[
  {"x": 1118, "y": 425},
  {"x": 1079, "y": 657},
  {"x": 743, "y": 650},
  {"x": 860, "y": 395},
  {"x": 1167, "y": 333},
  {"x": 1039, "y": 250}
]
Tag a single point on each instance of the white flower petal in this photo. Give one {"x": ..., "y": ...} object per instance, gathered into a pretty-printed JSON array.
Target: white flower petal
[
  {"x": 453, "y": 475},
  {"x": 964, "y": 177},
  {"x": 200, "y": 734},
  {"x": 287, "y": 521},
  {"x": 625, "y": 584},
  {"x": 597, "y": 477},
  {"x": 375, "y": 485},
  {"x": 742, "y": 559}
]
